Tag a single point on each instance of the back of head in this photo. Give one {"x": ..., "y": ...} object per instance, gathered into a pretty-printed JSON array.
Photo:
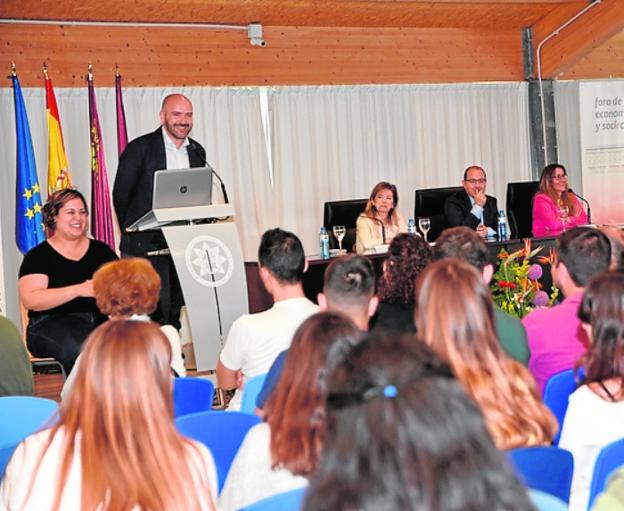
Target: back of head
[
  {"x": 281, "y": 252},
  {"x": 585, "y": 252},
  {"x": 121, "y": 412},
  {"x": 402, "y": 434},
  {"x": 462, "y": 243},
  {"x": 349, "y": 282},
  {"x": 408, "y": 255},
  {"x": 295, "y": 409},
  {"x": 603, "y": 308},
  {"x": 127, "y": 286}
]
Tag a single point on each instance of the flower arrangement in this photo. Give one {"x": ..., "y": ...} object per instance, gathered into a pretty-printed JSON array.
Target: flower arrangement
[{"x": 515, "y": 286}]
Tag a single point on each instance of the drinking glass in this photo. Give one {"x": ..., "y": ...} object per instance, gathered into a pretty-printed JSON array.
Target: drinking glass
[
  {"x": 563, "y": 215},
  {"x": 424, "y": 224},
  {"x": 339, "y": 233}
]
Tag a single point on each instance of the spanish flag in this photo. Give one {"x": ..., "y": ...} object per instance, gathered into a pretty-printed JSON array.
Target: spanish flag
[{"x": 58, "y": 171}]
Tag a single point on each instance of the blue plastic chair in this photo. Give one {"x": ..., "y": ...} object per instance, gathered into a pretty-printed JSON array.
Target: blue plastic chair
[
  {"x": 221, "y": 432},
  {"x": 287, "y": 501},
  {"x": 192, "y": 395},
  {"x": 21, "y": 416},
  {"x": 556, "y": 393},
  {"x": 611, "y": 458},
  {"x": 547, "y": 469},
  {"x": 252, "y": 388}
]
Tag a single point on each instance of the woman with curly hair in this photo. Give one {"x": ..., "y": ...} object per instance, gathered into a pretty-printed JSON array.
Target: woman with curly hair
[
  {"x": 280, "y": 453},
  {"x": 455, "y": 317},
  {"x": 408, "y": 255},
  {"x": 595, "y": 414},
  {"x": 114, "y": 444}
]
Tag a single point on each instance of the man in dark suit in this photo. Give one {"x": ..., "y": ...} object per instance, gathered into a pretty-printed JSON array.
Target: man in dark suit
[
  {"x": 169, "y": 147},
  {"x": 471, "y": 207}
]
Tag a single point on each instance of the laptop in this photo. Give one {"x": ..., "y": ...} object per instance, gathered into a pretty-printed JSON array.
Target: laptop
[{"x": 176, "y": 188}]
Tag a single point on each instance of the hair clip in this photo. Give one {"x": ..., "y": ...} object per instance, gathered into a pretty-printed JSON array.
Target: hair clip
[{"x": 390, "y": 391}]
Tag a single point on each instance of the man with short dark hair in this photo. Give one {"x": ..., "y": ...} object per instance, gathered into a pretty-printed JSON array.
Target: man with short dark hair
[
  {"x": 255, "y": 340},
  {"x": 349, "y": 288},
  {"x": 556, "y": 339},
  {"x": 471, "y": 206},
  {"x": 465, "y": 244}
]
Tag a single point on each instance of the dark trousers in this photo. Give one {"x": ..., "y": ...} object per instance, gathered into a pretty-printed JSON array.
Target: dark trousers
[
  {"x": 61, "y": 336},
  {"x": 171, "y": 298}
]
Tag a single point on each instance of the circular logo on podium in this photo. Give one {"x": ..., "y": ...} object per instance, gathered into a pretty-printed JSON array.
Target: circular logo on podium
[{"x": 209, "y": 261}]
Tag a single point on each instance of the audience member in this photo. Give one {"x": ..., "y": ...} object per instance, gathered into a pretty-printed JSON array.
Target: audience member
[
  {"x": 455, "y": 317},
  {"x": 255, "y": 340},
  {"x": 616, "y": 237},
  {"x": 401, "y": 433},
  {"x": 55, "y": 281},
  {"x": 471, "y": 206},
  {"x": 555, "y": 207},
  {"x": 114, "y": 445},
  {"x": 408, "y": 254},
  {"x": 556, "y": 339},
  {"x": 15, "y": 371},
  {"x": 129, "y": 289},
  {"x": 279, "y": 454},
  {"x": 380, "y": 221},
  {"x": 595, "y": 414},
  {"x": 465, "y": 244},
  {"x": 349, "y": 287}
]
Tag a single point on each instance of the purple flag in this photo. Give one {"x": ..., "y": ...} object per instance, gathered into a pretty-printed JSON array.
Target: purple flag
[
  {"x": 101, "y": 218},
  {"x": 122, "y": 132}
]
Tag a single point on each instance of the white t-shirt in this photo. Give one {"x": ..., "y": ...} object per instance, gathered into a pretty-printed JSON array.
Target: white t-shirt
[
  {"x": 255, "y": 340},
  {"x": 590, "y": 424},
  {"x": 251, "y": 477},
  {"x": 23, "y": 467}
]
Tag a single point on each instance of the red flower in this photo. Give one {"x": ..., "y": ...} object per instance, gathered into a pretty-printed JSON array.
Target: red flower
[{"x": 506, "y": 284}]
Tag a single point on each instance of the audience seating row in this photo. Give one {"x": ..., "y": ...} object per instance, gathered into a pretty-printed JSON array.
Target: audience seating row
[{"x": 429, "y": 202}]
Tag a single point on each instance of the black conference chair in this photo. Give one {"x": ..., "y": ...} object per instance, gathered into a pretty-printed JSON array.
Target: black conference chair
[
  {"x": 429, "y": 202},
  {"x": 343, "y": 212},
  {"x": 520, "y": 208}
]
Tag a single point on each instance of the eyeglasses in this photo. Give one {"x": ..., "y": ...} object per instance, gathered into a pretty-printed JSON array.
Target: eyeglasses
[
  {"x": 560, "y": 177},
  {"x": 476, "y": 181}
]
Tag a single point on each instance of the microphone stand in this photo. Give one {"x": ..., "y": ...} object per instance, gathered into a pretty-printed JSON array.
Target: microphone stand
[
  {"x": 586, "y": 203},
  {"x": 196, "y": 150}
]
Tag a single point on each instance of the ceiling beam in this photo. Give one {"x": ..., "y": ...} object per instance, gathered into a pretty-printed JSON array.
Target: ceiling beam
[{"x": 596, "y": 26}]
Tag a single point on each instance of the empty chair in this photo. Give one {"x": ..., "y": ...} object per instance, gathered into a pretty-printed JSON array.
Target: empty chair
[
  {"x": 547, "y": 469},
  {"x": 429, "y": 203},
  {"x": 343, "y": 212},
  {"x": 252, "y": 388},
  {"x": 287, "y": 501},
  {"x": 221, "y": 432},
  {"x": 556, "y": 393},
  {"x": 20, "y": 417},
  {"x": 609, "y": 460},
  {"x": 191, "y": 395},
  {"x": 520, "y": 208}
]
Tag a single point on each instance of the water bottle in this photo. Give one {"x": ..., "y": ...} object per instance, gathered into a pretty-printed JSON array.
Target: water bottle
[
  {"x": 324, "y": 243},
  {"x": 411, "y": 226},
  {"x": 502, "y": 226}
]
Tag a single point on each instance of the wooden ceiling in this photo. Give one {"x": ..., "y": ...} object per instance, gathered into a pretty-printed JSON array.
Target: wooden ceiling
[{"x": 503, "y": 14}]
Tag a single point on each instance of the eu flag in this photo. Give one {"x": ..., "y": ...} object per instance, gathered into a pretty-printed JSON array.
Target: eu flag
[{"x": 28, "y": 217}]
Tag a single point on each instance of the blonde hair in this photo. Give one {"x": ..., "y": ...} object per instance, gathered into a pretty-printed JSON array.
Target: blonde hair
[
  {"x": 455, "y": 317},
  {"x": 120, "y": 415},
  {"x": 370, "y": 210}
]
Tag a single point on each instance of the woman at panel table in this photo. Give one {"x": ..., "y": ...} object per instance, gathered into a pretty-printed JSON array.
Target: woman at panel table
[
  {"x": 380, "y": 222},
  {"x": 55, "y": 280},
  {"x": 555, "y": 207}
]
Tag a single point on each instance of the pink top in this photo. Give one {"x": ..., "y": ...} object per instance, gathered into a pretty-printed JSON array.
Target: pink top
[{"x": 546, "y": 221}]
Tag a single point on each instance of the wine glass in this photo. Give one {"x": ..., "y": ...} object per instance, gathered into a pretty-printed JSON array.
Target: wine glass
[
  {"x": 339, "y": 233},
  {"x": 424, "y": 224},
  {"x": 563, "y": 214}
]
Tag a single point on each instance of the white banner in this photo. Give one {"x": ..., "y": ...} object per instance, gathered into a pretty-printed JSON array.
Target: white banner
[{"x": 602, "y": 148}]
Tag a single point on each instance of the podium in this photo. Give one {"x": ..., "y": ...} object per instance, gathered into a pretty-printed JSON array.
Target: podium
[{"x": 206, "y": 252}]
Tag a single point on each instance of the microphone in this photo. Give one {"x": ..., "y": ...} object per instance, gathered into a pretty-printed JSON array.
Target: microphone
[
  {"x": 586, "y": 203},
  {"x": 193, "y": 146}
]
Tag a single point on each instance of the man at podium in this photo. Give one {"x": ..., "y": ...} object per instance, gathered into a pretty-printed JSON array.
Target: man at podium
[{"x": 169, "y": 147}]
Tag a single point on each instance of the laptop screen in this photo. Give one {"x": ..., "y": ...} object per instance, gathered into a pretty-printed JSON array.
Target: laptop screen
[{"x": 174, "y": 188}]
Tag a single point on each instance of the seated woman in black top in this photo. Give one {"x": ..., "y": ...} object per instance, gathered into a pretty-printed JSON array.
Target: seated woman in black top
[
  {"x": 55, "y": 280},
  {"x": 408, "y": 255}
]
